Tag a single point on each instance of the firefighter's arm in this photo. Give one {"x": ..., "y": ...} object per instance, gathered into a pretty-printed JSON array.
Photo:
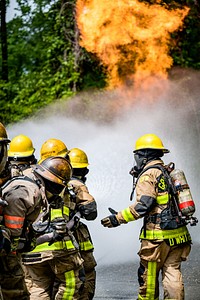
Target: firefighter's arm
[
  {"x": 118, "y": 218},
  {"x": 86, "y": 203},
  {"x": 145, "y": 201},
  {"x": 15, "y": 212}
]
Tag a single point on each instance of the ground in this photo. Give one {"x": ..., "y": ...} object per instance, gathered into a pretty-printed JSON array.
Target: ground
[{"x": 120, "y": 281}]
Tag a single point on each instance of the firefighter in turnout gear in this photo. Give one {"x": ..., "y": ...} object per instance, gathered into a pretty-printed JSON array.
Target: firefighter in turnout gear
[
  {"x": 165, "y": 240},
  {"x": 24, "y": 197},
  {"x": 80, "y": 200},
  {"x": 86, "y": 204},
  {"x": 58, "y": 260},
  {"x": 21, "y": 155}
]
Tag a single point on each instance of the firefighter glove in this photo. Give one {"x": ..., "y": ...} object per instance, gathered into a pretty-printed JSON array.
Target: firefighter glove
[{"x": 110, "y": 221}]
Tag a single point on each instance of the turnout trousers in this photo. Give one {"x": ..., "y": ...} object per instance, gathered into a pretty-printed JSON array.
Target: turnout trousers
[
  {"x": 12, "y": 281},
  {"x": 67, "y": 270},
  {"x": 89, "y": 264},
  {"x": 158, "y": 257}
]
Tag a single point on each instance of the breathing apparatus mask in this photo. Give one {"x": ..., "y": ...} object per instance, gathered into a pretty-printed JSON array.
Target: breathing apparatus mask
[
  {"x": 142, "y": 157},
  {"x": 81, "y": 173}
]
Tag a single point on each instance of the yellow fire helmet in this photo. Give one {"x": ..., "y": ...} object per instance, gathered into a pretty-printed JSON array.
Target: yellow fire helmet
[
  {"x": 53, "y": 147},
  {"x": 78, "y": 158},
  {"x": 3, "y": 134},
  {"x": 21, "y": 146},
  {"x": 149, "y": 141}
]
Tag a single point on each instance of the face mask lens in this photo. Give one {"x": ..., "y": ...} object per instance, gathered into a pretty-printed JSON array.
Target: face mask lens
[{"x": 139, "y": 159}]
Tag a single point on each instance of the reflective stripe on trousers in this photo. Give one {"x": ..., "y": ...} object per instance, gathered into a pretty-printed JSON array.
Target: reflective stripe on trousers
[
  {"x": 151, "y": 282},
  {"x": 70, "y": 285}
]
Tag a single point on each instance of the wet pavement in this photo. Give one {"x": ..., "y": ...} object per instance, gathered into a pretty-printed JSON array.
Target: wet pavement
[{"x": 120, "y": 281}]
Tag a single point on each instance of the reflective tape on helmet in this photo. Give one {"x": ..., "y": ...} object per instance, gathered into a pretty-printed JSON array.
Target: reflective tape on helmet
[
  {"x": 127, "y": 215},
  {"x": 61, "y": 245},
  {"x": 86, "y": 246},
  {"x": 163, "y": 199},
  {"x": 179, "y": 233}
]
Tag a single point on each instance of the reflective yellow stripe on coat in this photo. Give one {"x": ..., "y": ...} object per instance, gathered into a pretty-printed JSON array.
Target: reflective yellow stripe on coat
[
  {"x": 162, "y": 199},
  {"x": 62, "y": 245},
  {"x": 181, "y": 234},
  {"x": 127, "y": 215},
  {"x": 86, "y": 246}
]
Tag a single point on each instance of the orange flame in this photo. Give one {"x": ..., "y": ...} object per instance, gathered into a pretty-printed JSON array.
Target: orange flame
[{"x": 131, "y": 38}]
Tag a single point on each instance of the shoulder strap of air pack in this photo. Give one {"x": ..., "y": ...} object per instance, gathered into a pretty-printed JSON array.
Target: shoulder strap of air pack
[
  {"x": 164, "y": 170},
  {"x": 22, "y": 177}
]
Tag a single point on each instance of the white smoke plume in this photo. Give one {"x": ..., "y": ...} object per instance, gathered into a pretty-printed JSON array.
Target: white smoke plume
[{"x": 106, "y": 125}]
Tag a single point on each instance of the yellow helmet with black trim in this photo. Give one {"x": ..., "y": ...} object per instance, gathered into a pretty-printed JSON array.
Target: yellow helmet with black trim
[{"x": 149, "y": 141}]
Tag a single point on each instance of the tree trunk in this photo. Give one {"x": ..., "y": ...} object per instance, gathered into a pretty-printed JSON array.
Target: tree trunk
[{"x": 4, "y": 49}]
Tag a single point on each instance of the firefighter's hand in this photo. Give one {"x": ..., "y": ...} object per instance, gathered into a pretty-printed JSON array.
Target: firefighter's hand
[{"x": 110, "y": 221}]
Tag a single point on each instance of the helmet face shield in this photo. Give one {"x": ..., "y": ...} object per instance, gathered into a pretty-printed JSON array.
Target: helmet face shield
[{"x": 55, "y": 169}]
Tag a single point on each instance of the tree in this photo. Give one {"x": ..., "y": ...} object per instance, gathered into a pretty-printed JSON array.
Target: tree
[{"x": 4, "y": 49}]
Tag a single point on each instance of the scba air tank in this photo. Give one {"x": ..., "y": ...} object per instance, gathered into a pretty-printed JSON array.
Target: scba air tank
[{"x": 185, "y": 201}]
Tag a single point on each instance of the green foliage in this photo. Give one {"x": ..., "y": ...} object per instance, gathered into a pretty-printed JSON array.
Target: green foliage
[
  {"x": 186, "y": 48},
  {"x": 41, "y": 61}
]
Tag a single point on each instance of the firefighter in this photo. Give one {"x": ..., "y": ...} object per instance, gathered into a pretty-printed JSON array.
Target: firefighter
[
  {"x": 21, "y": 155},
  {"x": 59, "y": 261},
  {"x": 165, "y": 240},
  {"x": 81, "y": 201},
  {"x": 24, "y": 197},
  {"x": 86, "y": 204},
  {"x": 20, "y": 159},
  {"x": 4, "y": 141}
]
